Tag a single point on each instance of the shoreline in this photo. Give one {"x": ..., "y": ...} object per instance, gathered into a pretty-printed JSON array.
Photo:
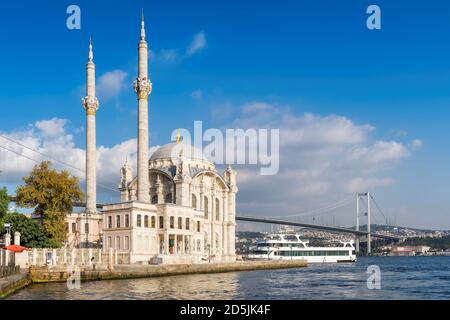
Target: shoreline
[{"x": 62, "y": 274}]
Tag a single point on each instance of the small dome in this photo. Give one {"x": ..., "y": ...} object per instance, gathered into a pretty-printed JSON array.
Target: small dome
[{"x": 173, "y": 150}]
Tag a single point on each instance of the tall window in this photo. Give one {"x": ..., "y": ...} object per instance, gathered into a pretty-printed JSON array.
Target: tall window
[
  {"x": 110, "y": 244},
  {"x": 188, "y": 224},
  {"x": 126, "y": 243},
  {"x": 118, "y": 221},
  {"x": 139, "y": 220},
  {"x": 169, "y": 198},
  {"x": 109, "y": 222},
  {"x": 74, "y": 227},
  {"x": 146, "y": 221},
  {"x": 172, "y": 222},
  {"x": 217, "y": 209},
  {"x": 86, "y": 228},
  {"x": 180, "y": 223},
  {"x": 194, "y": 201},
  {"x": 205, "y": 207},
  {"x": 153, "y": 219},
  {"x": 161, "y": 222},
  {"x": 118, "y": 243},
  {"x": 155, "y": 199},
  {"x": 198, "y": 226}
]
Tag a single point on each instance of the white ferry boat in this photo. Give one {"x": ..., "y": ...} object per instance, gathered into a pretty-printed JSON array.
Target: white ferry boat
[{"x": 291, "y": 246}]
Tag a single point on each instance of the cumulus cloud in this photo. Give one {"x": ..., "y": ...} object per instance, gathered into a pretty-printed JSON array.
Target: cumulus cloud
[
  {"x": 198, "y": 43},
  {"x": 323, "y": 159},
  {"x": 111, "y": 84},
  {"x": 52, "y": 139},
  {"x": 51, "y": 128}
]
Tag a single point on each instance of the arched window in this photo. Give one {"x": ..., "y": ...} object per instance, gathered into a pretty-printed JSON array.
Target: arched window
[
  {"x": 127, "y": 221},
  {"x": 205, "y": 207},
  {"x": 155, "y": 199},
  {"x": 146, "y": 221},
  {"x": 118, "y": 221},
  {"x": 153, "y": 219},
  {"x": 74, "y": 227},
  {"x": 168, "y": 198},
  {"x": 180, "y": 223},
  {"x": 86, "y": 228},
  {"x": 161, "y": 222},
  {"x": 194, "y": 201},
  {"x": 172, "y": 222},
  {"x": 217, "y": 209}
]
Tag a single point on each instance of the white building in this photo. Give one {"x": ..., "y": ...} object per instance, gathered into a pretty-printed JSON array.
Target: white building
[{"x": 177, "y": 208}]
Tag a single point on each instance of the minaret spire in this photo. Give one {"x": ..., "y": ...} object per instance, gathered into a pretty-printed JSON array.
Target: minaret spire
[
  {"x": 91, "y": 53},
  {"x": 143, "y": 88},
  {"x": 142, "y": 26},
  {"x": 90, "y": 104}
]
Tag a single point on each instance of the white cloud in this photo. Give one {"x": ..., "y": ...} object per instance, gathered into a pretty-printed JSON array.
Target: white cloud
[
  {"x": 111, "y": 84},
  {"x": 323, "y": 159},
  {"x": 41, "y": 137},
  {"x": 51, "y": 128},
  {"x": 197, "y": 44},
  {"x": 416, "y": 144}
]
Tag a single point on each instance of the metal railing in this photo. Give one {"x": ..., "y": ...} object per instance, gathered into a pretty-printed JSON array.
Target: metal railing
[{"x": 7, "y": 271}]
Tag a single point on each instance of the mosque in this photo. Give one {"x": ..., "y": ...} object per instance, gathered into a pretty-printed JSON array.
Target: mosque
[{"x": 177, "y": 209}]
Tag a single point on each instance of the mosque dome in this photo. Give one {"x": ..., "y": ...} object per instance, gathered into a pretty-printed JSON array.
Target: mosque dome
[{"x": 174, "y": 149}]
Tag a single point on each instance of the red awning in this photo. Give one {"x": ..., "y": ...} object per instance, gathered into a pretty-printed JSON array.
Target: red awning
[{"x": 15, "y": 248}]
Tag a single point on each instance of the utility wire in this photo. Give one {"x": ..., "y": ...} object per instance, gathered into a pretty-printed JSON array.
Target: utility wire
[
  {"x": 48, "y": 156},
  {"x": 36, "y": 161}
]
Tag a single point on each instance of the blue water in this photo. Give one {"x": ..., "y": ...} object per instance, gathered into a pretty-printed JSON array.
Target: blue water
[{"x": 401, "y": 278}]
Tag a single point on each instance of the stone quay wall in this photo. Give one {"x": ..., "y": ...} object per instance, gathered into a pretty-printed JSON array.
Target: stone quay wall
[{"x": 101, "y": 272}]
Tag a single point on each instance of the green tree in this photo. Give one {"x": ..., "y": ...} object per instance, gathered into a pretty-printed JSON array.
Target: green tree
[
  {"x": 4, "y": 202},
  {"x": 32, "y": 234},
  {"x": 51, "y": 194}
]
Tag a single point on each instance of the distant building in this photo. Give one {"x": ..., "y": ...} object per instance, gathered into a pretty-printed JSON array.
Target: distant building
[{"x": 409, "y": 250}]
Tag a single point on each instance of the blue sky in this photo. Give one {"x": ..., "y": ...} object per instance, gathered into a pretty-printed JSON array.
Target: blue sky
[{"x": 297, "y": 57}]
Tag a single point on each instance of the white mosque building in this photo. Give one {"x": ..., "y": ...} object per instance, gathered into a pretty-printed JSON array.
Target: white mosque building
[{"x": 177, "y": 209}]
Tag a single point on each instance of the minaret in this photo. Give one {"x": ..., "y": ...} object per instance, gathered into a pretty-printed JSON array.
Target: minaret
[
  {"x": 90, "y": 104},
  {"x": 143, "y": 88}
]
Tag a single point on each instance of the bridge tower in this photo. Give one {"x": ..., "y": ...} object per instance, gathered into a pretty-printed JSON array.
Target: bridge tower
[{"x": 367, "y": 213}]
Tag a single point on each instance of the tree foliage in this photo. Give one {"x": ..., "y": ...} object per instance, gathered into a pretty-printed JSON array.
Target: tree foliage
[
  {"x": 439, "y": 243},
  {"x": 4, "y": 202},
  {"x": 32, "y": 234},
  {"x": 51, "y": 194}
]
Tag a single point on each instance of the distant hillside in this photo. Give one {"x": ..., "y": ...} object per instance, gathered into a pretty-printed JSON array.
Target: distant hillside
[
  {"x": 442, "y": 243},
  {"x": 381, "y": 227}
]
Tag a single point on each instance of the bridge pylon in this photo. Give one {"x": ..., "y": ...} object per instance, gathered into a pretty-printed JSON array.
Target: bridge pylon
[{"x": 367, "y": 214}]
